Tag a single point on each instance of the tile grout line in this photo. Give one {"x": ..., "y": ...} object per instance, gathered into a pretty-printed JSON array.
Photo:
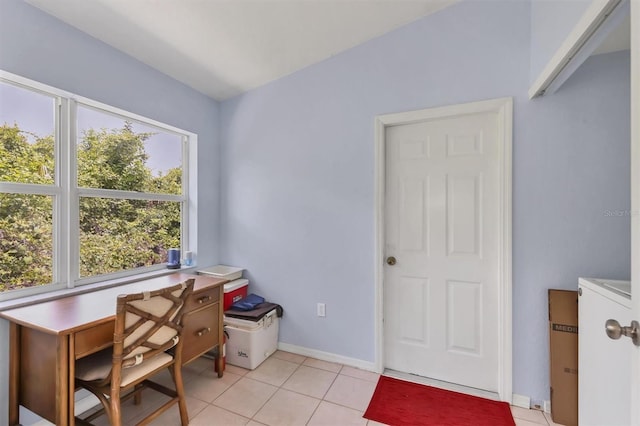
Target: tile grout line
[
  {"x": 322, "y": 399},
  {"x": 324, "y": 394},
  {"x": 278, "y": 388}
]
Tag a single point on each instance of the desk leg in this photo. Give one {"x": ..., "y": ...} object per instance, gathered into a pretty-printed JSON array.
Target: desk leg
[
  {"x": 219, "y": 364},
  {"x": 72, "y": 379},
  {"x": 222, "y": 339},
  {"x": 14, "y": 374},
  {"x": 63, "y": 397}
]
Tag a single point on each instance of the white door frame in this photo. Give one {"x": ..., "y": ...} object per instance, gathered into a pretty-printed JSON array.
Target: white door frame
[{"x": 504, "y": 108}]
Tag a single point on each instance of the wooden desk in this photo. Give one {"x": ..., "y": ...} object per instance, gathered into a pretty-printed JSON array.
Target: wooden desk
[{"x": 46, "y": 339}]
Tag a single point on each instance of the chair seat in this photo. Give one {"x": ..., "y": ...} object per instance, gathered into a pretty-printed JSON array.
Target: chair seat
[{"x": 98, "y": 366}]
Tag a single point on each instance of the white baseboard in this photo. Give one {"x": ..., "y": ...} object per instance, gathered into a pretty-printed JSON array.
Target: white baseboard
[
  {"x": 546, "y": 406},
  {"x": 521, "y": 401},
  {"x": 327, "y": 356}
]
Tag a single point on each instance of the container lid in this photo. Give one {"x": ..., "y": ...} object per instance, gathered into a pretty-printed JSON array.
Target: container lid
[
  {"x": 236, "y": 284},
  {"x": 249, "y": 325},
  {"x": 257, "y": 326},
  {"x": 220, "y": 271}
]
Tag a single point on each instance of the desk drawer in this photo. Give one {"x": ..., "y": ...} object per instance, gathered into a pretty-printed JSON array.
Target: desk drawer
[
  {"x": 94, "y": 339},
  {"x": 201, "y": 298},
  {"x": 200, "y": 332}
]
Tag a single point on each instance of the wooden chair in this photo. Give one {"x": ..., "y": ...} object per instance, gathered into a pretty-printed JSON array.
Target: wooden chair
[{"x": 147, "y": 325}]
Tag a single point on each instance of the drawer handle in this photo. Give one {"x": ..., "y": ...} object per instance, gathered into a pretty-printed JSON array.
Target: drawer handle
[
  {"x": 203, "y": 331},
  {"x": 204, "y": 299}
]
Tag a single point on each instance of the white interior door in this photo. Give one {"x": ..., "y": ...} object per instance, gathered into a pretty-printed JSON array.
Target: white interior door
[{"x": 444, "y": 227}]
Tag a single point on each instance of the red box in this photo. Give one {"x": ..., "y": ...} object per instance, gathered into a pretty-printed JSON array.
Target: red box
[{"x": 234, "y": 291}]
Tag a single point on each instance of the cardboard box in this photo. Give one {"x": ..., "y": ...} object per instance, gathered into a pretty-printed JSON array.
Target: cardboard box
[{"x": 563, "y": 348}]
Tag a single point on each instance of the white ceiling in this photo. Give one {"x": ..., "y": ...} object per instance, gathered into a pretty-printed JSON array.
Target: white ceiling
[{"x": 225, "y": 47}]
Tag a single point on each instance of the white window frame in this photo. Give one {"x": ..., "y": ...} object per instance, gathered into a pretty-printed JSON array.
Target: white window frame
[{"x": 66, "y": 193}]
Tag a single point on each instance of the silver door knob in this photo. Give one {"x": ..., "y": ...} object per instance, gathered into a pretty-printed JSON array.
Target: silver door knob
[
  {"x": 615, "y": 331},
  {"x": 391, "y": 260}
]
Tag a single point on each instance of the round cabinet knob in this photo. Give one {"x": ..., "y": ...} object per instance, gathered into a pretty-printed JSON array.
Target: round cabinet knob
[{"x": 391, "y": 260}]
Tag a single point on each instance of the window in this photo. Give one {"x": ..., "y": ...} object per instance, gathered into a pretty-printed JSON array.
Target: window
[
  {"x": 88, "y": 192},
  {"x": 28, "y": 191}
]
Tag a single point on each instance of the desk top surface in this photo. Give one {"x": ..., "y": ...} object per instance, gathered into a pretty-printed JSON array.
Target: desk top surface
[{"x": 72, "y": 313}]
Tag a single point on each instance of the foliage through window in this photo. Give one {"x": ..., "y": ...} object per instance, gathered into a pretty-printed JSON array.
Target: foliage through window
[{"x": 115, "y": 183}]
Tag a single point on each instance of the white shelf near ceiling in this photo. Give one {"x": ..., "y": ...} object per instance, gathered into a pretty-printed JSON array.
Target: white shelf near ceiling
[{"x": 598, "y": 22}]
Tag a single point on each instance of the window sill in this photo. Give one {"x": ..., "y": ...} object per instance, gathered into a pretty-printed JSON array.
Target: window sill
[{"x": 88, "y": 288}]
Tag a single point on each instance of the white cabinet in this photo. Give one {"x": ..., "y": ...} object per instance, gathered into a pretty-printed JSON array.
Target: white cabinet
[{"x": 603, "y": 364}]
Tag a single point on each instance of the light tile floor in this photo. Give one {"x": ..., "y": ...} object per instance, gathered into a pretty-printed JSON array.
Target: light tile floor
[{"x": 286, "y": 389}]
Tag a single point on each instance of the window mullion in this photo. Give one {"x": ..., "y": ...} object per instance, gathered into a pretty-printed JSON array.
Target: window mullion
[
  {"x": 128, "y": 195},
  {"x": 71, "y": 192},
  {"x": 29, "y": 188},
  {"x": 190, "y": 190},
  {"x": 61, "y": 206}
]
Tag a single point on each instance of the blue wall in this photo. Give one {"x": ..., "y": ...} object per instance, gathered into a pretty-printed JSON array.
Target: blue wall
[
  {"x": 571, "y": 201},
  {"x": 298, "y": 160},
  {"x": 551, "y": 23},
  {"x": 298, "y": 174}
]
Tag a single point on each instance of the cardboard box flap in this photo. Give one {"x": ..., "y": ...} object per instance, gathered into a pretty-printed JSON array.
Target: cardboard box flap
[{"x": 563, "y": 307}]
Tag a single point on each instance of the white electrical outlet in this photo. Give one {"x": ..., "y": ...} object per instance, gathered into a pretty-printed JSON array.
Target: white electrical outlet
[{"x": 321, "y": 310}]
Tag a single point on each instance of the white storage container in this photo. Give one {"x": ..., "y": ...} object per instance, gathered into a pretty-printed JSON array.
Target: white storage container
[
  {"x": 251, "y": 342},
  {"x": 223, "y": 271}
]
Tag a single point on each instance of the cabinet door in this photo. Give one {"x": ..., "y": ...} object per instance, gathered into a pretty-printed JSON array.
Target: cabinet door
[
  {"x": 603, "y": 376},
  {"x": 200, "y": 331}
]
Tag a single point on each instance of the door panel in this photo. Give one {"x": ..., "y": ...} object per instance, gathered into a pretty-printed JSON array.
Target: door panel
[
  {"x": 413, "y": 214},
  {"x": 463, "y": 215},
  {"x": 464, "y": 317},
  {"x": 415, "y": 318}
]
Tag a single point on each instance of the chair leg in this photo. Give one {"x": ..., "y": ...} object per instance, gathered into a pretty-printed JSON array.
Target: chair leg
[
  {"x": 176, "y": 372},
  {"x": 104, "y": 401},
  {"x": 137, "y": 397},
  {"x": 116, "y": 409}
]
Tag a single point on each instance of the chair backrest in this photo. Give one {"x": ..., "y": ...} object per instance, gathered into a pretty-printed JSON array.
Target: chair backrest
[{"x": 148, "y": 323}]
